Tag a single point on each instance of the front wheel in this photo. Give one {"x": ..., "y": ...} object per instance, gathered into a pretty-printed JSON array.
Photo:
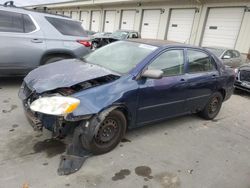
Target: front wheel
[
  {"x": 109, "y": 134},
  {"x": 213, "y": 106}
]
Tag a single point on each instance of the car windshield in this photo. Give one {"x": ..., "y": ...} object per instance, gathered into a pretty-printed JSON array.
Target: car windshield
[
  {"x": 119, "y": 34},
  {"x": 218, "y": 52},
  {"x": 121, "y": 56}
]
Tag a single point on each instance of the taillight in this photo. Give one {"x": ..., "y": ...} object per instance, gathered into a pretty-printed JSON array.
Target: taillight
[{"x": 84, "y": 42}]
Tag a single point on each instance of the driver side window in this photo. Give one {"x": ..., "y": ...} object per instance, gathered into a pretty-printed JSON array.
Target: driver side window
[{"x": 170, "y": 62}]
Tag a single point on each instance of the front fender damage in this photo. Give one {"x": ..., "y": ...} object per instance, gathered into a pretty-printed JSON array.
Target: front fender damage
[{"x": 78, "y": 151}]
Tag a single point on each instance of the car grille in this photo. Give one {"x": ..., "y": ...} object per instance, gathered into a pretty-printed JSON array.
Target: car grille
[{"x": 245, "y": 75}]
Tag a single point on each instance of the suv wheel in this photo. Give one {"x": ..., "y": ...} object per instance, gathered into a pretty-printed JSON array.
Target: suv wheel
[{"x": 52, "y": 59}]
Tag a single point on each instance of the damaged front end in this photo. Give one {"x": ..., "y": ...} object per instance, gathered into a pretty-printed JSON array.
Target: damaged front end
[{"x": 80, "y": 129}]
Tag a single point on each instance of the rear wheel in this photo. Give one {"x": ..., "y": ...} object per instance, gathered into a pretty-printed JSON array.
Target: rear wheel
[
  {"x": 109, "y": 134},
  {"x": 213, "y": 106}
]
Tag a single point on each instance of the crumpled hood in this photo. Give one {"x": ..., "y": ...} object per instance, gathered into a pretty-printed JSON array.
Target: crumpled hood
[{"x": 65, "y": 73}]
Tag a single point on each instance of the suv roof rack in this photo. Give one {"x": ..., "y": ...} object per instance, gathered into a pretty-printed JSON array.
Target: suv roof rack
[
  {"x": 35, "y": 9},
  {"x": 9, "y": 4}
]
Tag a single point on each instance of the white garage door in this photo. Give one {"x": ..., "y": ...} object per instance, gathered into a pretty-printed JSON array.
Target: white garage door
[
  {"x": 150, "y": 23},
  {"x": 75, "y": 15},
  {"x": 180, "y": 26},
  {"x": 84, "y": 19},
  {"x": 95, "y": 21},
  {"x": 222, "y": 27},
  {"x": 59, "y": 12},
  {"x": 66, "y": 13},
  {"x": 128, "y": 19},
  {"x": 109, "y": 23}
]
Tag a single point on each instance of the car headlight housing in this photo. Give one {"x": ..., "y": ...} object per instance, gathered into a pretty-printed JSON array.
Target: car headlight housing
[{"x": 55, "y": 105}]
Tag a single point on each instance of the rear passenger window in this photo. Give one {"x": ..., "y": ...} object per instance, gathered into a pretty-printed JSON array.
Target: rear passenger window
[
  {"x": 67, "y": 27},
  {"x": 170, "y": 62},
  {"x": 28, "y": 24},
  {"x": 11, "y": 22},
  {"x": 199, "y": 62},
  {"x": 15, "y": 22}
]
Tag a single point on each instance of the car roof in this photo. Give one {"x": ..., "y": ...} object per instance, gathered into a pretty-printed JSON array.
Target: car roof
[
  {"x": 126, "y": 30},
  {"x": 158, "y": 42},
  {"x": 218, "y": 47}
]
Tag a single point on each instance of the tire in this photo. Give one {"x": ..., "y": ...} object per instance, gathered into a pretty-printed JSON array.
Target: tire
[
  {"x": 213, "y": 106},
  {"x": 53, "y": 59},
  {"x": 109, "y": 134}
]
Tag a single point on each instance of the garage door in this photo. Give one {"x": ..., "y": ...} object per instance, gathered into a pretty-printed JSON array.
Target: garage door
[
  {"x": 84, "y": 19},
  {"x": 128, "y": 19},
  {"x": 222, "y": 27},
  {"x": 75, "y": 15},
  {"x": 95, "y": 21},
  {"x": 66, "y": 13},
  {"x": 109, "y": 23},
  {"x": 180, "y": 26},
  {"x": 150, "y": 23},
  {"x": 59, "y": 12}
]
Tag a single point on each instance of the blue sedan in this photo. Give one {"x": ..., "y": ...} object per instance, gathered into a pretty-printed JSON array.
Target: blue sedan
[{"x": 121, "y": 86}]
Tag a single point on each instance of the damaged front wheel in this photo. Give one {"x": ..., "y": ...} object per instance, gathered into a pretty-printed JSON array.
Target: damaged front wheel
[{"x": 109, "y": 133}]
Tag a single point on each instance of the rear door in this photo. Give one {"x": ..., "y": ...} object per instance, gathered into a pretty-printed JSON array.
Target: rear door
[
  {"x": 202, "y": 78},
  {"x": 22, "y": 43},
  {"x": 165, "y": 97}
]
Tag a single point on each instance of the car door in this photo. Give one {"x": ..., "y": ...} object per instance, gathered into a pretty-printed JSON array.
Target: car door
[
  {"x": 162, "y": 98},
  {"x": 21, "y": 44},
  {"x": 202, "y": 77}
]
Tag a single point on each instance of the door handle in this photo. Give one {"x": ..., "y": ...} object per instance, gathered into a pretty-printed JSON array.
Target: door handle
[
  {"x": 214, "y": 76},
  {"x": 36, "y": 41},
  {"x": 182, "y": 80}
]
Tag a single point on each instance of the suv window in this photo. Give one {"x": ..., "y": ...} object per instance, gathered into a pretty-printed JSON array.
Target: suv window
[
  {"x": 199, "y": 62},
  {"x": 170, "y": 62},
  {"x": 28, "y": 24},
  {"x": 228, "y": 53},
  {"x": 235, "y": 54},
  {"x": 15, "y": 22},
  {"x": 67, "y": 27},
  {"x": 11, "y": 22},
  {"x": 133, "y": 35}
]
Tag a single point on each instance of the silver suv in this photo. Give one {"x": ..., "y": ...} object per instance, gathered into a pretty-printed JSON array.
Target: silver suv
[{"x": 29, "y": 39}]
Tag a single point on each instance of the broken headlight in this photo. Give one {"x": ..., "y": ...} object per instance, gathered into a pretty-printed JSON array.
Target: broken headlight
[{"x": 55, "y": 105}]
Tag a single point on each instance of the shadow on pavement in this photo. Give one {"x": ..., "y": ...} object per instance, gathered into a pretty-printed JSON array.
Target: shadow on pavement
[
  {"x": 10, "y": 81},
  {"x": 242, "y": 93}
]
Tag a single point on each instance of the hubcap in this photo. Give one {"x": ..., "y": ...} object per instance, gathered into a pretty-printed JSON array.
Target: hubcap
[
  {"x": 214, "y": 104},
  {"x": 107, "y": 131}
]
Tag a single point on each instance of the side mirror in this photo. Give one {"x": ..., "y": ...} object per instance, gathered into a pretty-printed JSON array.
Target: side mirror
[
  {"x": 226, "y": 57},
  {"x": 154, "y": 74}
]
